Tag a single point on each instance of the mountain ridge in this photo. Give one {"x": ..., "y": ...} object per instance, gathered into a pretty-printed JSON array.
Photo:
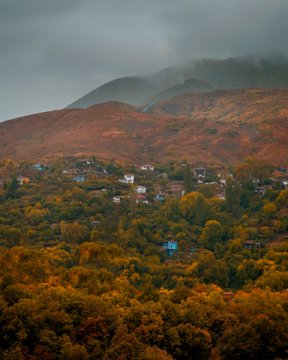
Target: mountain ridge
[
  {"x": 218, "y": 127},
  {"x": 231, "y": 73}
]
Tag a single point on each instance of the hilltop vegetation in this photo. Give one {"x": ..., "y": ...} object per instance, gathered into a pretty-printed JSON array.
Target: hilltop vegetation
[
  {"x": 84, "y": 276},
  {"x": 219, "y": 127}
]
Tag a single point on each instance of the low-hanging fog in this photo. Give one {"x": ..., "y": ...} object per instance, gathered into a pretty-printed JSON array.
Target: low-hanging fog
[{"x": 53, "y": 52}]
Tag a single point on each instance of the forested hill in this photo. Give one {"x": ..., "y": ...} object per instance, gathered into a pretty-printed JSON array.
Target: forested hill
[
  {"x": 219, "y": 127},
  {"x": 86, "y": 272}
]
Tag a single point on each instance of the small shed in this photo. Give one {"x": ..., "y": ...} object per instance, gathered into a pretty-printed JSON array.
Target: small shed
[
  {"x": 200, "y": 172},
  {"x": 228, "y": 295},
  {"x": 95, "y": 223},
  {"x": 251, "y": 244}
]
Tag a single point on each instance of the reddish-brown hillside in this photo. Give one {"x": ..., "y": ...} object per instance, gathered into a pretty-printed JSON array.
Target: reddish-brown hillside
[{"x": 216, "y": 127}]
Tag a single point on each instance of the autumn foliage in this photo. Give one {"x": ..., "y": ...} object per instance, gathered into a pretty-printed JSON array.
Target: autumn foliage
[{"x": 84, "y": 278}]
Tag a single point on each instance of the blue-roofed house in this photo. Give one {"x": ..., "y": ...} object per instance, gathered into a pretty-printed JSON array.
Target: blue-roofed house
[
  {"x": 170, "y": 246},
  {"x": 39, "y": 167},
  {"x": 160, "y": 197},
  {"x": 79, "y": 178}
]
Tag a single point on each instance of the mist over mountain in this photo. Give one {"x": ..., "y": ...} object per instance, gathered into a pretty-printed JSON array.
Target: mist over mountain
[
  {"x": 195, "y": 76},
  {"x": 132, "y": 90},
  {"x": 215, "y": 111}
]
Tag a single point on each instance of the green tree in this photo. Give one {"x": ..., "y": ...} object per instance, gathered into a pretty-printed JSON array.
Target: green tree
[
  {"x": 11, "y": 188},
  {"x": 232, "y": 193},
  {"x": 186, "y": 341},
  {"x": 194, "y": 208},
  {"x": 188, "y": 180},
  {"x": 209, "y": 270},
  {"x": 74, "y": 233},
  {"x": 253, "y": 169},
  {"x": 211, "y": 234}
]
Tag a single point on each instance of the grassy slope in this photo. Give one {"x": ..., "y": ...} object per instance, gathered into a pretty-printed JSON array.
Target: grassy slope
[{"x": 216, "y": 127}]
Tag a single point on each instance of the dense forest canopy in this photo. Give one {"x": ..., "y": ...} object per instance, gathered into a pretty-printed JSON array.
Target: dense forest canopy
[{"x": 84, "y": 272}]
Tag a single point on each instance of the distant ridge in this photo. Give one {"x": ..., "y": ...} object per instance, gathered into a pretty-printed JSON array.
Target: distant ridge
[
  {"x": 217, "y": 127},
  {"x": 195, "y": 76},
  {"x": 132, "y": 90}
]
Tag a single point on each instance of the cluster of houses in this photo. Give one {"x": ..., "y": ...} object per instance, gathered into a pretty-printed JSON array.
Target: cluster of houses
[
  {"x": 22, "y": 180},
  {"x": 162, "y": 189},
  {"x": 174, "y": 188},
  {"x": 140, "y": 198},
  {"x": 147, "y": 167},
  {"x": 140, "y": 191},
  {"x": 82, "y": 167}
]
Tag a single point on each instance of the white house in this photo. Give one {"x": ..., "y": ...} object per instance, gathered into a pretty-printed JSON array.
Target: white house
[
  {"x": 222, "y": 182},
  {"x": 141, "y": 189},
  {"x": 70, "y": 171},
  {"x": 128, "y": 179},
  {"x": 116, "y": 199},
  {"x": 147, "y": 167}
]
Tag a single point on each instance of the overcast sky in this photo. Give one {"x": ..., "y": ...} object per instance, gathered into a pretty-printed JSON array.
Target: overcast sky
[{"x": 54, "y": 51}]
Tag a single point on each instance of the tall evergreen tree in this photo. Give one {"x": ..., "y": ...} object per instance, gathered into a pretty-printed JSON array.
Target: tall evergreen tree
[
  {"x": 232, "y": 193},
  {"x": 188, "y": 180}
]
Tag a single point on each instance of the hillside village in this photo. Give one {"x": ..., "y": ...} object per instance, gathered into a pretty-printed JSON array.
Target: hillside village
[
  {"x": 147, "y": 253},
  {"x": 144, "y": 212},
  {"x": 145, "y": 185}
]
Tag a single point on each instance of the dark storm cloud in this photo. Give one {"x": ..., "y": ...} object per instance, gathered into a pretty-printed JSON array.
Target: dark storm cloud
[
  {"x": 219, "y": 28},
  {"x": 54, "y": 51},
  {"x": 13, "y": 10}
]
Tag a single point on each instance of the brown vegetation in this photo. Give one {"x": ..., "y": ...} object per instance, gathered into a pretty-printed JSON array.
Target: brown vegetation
[{"x": 217, "y": 127}]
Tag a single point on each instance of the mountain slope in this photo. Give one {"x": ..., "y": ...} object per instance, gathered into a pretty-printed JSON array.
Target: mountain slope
[
  {"x": 131, "y": 90},
  {"x": 189, "y": 85},
  {"x": 204, "y": 75},
  {"x": 223, "y": 126}
]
